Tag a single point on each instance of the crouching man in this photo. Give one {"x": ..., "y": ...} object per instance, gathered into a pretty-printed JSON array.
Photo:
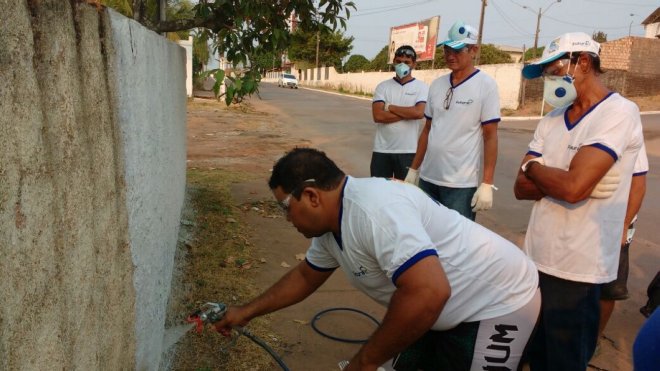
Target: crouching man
[{"x": 458, "y": 296}]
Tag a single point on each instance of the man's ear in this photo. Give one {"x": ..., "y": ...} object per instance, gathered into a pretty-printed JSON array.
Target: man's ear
[{"x": 313, "y": 195}]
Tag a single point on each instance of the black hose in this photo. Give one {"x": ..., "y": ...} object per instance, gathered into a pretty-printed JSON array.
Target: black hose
[
  {"x": 344, "y": 340},
  {"x": 263, "y": 344}
]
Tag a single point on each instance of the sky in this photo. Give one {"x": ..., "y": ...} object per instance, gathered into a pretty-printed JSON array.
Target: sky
[{"x": 506, "y": 22}]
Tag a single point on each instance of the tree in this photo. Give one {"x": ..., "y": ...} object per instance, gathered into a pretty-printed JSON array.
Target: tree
[
  {"x": 490, "y": 54},
  {"x": 599, "y": 36},
  {"x": 379, "y": 63},
  {"x": 333, "y": 46},
  {"x": 529, "y": 54},
  {"x": 356, "y": 63},
  {"x": 242, "y": 29}
]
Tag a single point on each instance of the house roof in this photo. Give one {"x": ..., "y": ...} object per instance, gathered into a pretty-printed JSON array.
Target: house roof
[{"x": 653, "y": 18}]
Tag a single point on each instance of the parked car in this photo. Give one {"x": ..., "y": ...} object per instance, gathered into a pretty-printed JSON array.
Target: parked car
[{"x": 287, "y": 80}]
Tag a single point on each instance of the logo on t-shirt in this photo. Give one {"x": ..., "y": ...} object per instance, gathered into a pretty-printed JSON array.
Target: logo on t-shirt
[
  {"x": 466, "y": 102},
  {"x": 362, "y": 272}
]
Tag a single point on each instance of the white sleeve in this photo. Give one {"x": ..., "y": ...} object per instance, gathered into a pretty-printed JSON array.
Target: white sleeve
[
  {"x": 642, "y": 162},
  {"x": 379, "y": 93},
  {"x": 536, "y": 145},
  {"x": 423, "y": 95},
  {"x": 615, "y": 129},
  {"x": 318, "y": 256},
  {"x": 490, "y": 109}
]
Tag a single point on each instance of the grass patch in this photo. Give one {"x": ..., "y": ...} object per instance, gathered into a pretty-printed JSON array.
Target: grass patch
[{"x": 216, "y": 262}]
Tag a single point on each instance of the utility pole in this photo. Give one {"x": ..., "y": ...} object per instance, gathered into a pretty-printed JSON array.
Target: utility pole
[
  {"x": 318, "y": 42},
  {"x": 536, "y": 35},
  {"x": 538, "y": 25},
  {"x": 481, "y": 31},
  {"x": 631, "y": 22}
]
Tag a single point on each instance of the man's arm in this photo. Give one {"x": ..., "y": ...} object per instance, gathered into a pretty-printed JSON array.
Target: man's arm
[
  {"x": 421, "y": 294},
  {"x": 588, "y": 166},
  {"x": 396, "y": 113},
  {"x": 490, "y": 152},
  {"x": 422, "y": 143},
  {"x": 635, "y": 198},
  {"x": 524, "y": 188},
  {"x": 293, "y": 287},
  {"x": 415, "y": 112}
]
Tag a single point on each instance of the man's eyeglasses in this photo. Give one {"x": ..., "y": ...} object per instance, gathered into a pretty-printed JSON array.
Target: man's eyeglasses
[
  {"x": 448, "y": 97},
  {"x": 407, "y": 52},
  {"x": 552, "y": 68},
  {"x": 284, "y": 204}
]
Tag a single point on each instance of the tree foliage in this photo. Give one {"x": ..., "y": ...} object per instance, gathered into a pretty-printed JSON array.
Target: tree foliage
[
  {"x": 242, "y": 30},
  {"x": 490, "y": 54},
  {"x": 356, "y": 63},
  {"x": 599, "y": 36},
  {"x": 333, "y": 46},
  {"x": 531, "y": 54},
  {"x": 379, "y": 63}
]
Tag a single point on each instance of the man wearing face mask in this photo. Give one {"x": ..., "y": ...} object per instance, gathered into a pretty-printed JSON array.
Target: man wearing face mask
[
  {"x": 462, "y": 114},
  {"x": 397, "y": 108},
  {"x": 579, "y": 170}
]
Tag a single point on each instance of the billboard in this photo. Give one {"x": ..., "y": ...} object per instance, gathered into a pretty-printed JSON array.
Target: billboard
[{"x": 422, "y": 36}]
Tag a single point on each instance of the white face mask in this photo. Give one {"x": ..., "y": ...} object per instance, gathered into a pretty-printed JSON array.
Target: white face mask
[
  {"x": 402, "y": 70},
  {"x": 559, "y": 91}
]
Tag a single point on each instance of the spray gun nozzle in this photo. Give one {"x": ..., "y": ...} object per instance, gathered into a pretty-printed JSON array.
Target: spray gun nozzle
[{"x": 208, "y": 313}]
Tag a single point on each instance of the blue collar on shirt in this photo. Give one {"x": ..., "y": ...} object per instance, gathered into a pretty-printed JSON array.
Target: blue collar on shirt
[
  {"x": 570, "y": 126},
  {"x": 341, "y": 213}
]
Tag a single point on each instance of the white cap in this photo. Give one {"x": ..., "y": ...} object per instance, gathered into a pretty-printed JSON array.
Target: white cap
[
  {"x": 557, "y": 48},
  {"x": 460, "y": 34}
]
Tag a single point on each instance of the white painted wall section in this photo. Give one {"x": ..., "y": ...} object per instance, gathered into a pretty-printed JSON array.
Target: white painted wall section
[{"x": 151, "y": 83}]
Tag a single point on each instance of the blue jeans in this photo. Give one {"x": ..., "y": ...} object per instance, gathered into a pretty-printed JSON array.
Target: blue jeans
[
  {"x": 458, "y": 199},
  {"x": 388, "y": 165},
  {"x": 568, "y": 326}
]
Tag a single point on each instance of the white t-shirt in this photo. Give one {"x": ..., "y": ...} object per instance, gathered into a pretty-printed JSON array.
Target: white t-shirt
[
  {"x": 387, "y": 226},
  {"x": 400, "y": 136},
  {"x": 455, "y": 144},
  {"x": 581, "y": 241}
]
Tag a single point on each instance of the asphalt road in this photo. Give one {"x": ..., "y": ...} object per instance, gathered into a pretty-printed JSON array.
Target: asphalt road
[{"x": 342, "y": 127}]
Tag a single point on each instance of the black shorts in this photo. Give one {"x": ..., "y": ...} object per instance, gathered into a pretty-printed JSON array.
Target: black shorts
[{"x": 618, "y": 289}]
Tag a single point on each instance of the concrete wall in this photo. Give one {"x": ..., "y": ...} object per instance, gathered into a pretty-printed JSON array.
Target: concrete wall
[
  {"x": 507, "y": 77},
  {"x": 92, "y": 173},
  {"x": 151, "y": 105}
]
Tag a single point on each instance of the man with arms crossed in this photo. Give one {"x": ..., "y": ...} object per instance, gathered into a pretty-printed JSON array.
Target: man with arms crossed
[
  {"x": 397, "y": 109},
  {"x": 458, "y": 296},
  {"x": 462, "y": 114},
  {"x": 578, "y": 170}
]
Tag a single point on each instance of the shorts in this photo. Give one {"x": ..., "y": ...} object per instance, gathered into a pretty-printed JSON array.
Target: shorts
[
  {"x": 491, "y": 344},
  {"x": 618, "y": 289}
]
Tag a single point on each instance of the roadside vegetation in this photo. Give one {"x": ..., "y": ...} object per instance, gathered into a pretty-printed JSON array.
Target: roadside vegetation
[{"x": 214, "y": 263}]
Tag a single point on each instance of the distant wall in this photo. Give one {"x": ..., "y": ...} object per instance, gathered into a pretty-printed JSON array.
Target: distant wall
[
  {"x": 92, "y": 175},
  {"x": 507, "y": 77}
]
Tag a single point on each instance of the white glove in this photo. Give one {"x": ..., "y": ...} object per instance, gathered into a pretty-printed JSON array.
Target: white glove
[
  {"x": 483, "y": 197},
  {"x": 412, "y": 177},
  {"x": 386, "y": 107},
  {"x": 607, "y": 185}
]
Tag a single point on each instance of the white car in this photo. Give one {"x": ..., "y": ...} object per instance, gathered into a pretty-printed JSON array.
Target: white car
[{"x": 288, "y": 80}]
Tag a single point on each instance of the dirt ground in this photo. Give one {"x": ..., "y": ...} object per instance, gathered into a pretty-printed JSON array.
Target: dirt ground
[{"x": 241, "y": 144}]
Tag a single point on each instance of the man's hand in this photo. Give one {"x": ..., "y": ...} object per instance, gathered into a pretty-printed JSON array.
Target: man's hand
[
  {"x": 235, "y": 316},
  {"x": 412, "y": 176},
  {"x": 483, "y": 197},
  {"x": 608, "y": 184}
]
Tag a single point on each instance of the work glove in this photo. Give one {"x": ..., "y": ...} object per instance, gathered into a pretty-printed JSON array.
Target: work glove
[
  {"x": 483, "y": 197},
  {"x": 607, "y": 185},
  {"x": 412, "y": 177}
]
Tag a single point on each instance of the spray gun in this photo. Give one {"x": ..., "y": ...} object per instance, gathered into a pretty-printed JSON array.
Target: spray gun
[
  {"x": 208, "y": 313},
  {"x": 211, "y": 313}
]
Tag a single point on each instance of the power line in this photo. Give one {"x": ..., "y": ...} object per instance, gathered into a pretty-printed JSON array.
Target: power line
[
  {"x": 390, "y": 8},
  {"x": 616, "y": 3},
  {"x": 509, "y": 21}
]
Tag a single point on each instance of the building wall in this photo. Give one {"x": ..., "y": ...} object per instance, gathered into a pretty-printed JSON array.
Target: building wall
[
  {"x": 507, "y": 77},
  {"x": 92, "y": 176}
]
